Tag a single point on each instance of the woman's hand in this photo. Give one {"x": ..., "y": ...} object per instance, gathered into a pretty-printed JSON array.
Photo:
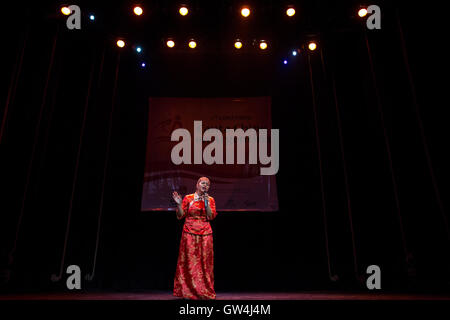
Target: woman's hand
[
  {"x": 207, "y": 207},
  {"x": 177, "y": 197}
]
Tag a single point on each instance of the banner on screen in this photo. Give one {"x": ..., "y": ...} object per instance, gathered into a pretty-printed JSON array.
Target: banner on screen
[{"x": 235, "y": 187}]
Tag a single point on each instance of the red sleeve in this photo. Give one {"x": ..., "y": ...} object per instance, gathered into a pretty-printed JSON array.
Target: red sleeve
[
  {"x": 212, "y": 204},
  {"x": 184, "y": 206}
]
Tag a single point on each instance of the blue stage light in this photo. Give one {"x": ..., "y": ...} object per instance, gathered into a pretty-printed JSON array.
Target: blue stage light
[
  {"x": 285, "y": 61},
  {"x": 138, "y": 49},
  {"x": 294, "y": 53},
  {"x": 143, "y": 65},
  {"x": 92, "y": 17}
]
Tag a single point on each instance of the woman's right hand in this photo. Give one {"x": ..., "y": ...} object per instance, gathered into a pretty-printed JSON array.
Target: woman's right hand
[{"x": 176, "y": 197}]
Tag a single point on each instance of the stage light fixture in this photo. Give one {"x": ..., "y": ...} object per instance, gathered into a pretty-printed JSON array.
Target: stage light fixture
[
  {"x": 238, "y": 44},
  {"x": 192, "y": 44},
  {"x": 183, "y": 10},
  {"x": 312, "y": 46},
  {"x": 143, "y": 65},
  {"x": 263, "y": 45},
  {"x": 120, "y": 43},
  {"x": 170, "y": 43},
  {"x": 290, "y": 12},
  {"x": 294, "y": 53},
  {"x": 65, "y": 11},
  {"x": 138, "y": 10},
  {"x": 245, "y": 12},
  {"x": 138, "y": 49},
  {"x": 91, "y": 17},
  {"x": 285, "y": 61},
  {"x": 362, "y": 12}
]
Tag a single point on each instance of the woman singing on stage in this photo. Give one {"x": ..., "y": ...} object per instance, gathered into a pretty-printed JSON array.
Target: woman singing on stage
[{"x": 194, "y": 276}]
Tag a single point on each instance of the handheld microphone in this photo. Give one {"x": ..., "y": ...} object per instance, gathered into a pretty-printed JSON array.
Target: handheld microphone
[{"x": 206, "y": 200}]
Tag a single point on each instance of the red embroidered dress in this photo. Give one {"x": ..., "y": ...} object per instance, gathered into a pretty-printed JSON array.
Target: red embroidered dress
[{"x": 194, "y": 276}]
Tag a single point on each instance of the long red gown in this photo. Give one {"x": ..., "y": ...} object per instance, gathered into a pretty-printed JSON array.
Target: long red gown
[{"x": 194, "y": 276}]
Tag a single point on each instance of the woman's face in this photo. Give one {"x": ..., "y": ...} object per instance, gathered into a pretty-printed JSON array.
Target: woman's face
[{"x": 203, "y": 185}]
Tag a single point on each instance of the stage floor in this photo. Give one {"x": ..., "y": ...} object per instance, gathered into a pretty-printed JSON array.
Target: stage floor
[{"x": 159, "y": 295}]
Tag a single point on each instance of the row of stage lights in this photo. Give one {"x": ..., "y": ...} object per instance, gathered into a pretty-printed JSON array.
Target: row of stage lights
[
  {"x": 184, "y": 11},
  {"x": 312, "y": 45},
  {"x": 192, "y": 44},
  {"x": 245, "y": 11}
]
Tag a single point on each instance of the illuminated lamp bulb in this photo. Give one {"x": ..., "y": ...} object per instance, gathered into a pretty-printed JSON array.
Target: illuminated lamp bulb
[
  {"x": 138, "y": 11},
  {"x": 170, "y": 43},
  {"x": 362, "y": 12},
  {"x": 290, "y": 12},
  {"x": 192, "y": 44},
  {"x": 312, "y": 46},
  {"x": 65, "y": 11},
  {"x": 245, "y": 12},
  {"x": 183, "y": 11}
]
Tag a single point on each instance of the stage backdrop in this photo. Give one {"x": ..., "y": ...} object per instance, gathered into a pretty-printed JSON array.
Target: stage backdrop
[{"x": 235, "y": 187}]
